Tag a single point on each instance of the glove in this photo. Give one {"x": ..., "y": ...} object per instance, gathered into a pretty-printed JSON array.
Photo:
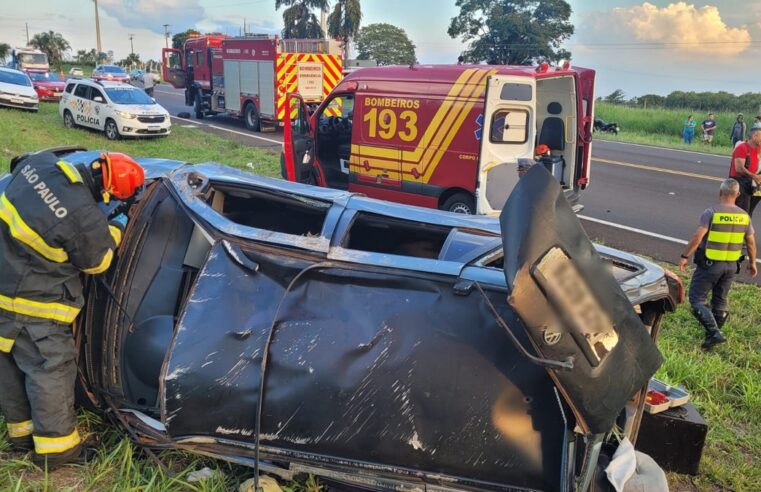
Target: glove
[{"x": 119, "y": 221}]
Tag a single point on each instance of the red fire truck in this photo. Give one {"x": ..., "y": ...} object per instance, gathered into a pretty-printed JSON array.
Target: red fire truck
[
  {"x": 452, "y": 137},
  {"x": 249, "y": 76}
]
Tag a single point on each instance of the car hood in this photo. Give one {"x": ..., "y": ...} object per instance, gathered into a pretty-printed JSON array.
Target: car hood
[
  {"x": 21, "y": 90},
  {"x": 142, "y": 109}
]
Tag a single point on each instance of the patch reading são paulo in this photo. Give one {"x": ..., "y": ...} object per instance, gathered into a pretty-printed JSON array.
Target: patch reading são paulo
[
  {"x": 42, "y": 189},
  {"x": 571, "y": 296}
]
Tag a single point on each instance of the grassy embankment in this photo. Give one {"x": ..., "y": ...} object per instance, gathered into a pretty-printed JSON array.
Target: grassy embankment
[
  {"x": 663, "y": 127},
  {"x": 725, "y": 384}
]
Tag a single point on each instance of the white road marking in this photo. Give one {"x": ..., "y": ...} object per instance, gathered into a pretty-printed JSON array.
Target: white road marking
[
  {"x": 221, "y": 128},
  {"x": 638, "y": 231},
  {"x": 718, "y": 156}
]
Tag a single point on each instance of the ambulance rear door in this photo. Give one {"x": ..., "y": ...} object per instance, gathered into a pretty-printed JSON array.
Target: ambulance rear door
[{"x": 507, "y": 140}]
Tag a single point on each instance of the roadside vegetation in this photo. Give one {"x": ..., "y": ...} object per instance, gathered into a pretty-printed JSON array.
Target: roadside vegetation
[
  {"x": 23, "y": 132},
  {"x": 724, "y": 384},
  {"x": 662, "y": 127}
]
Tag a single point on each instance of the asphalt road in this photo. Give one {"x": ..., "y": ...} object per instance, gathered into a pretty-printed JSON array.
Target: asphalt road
[{"x": 642, "y": 199}]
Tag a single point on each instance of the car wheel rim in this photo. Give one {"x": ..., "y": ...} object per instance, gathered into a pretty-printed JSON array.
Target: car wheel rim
[
  {"x": 110, "y": 130},
  {"x": 460, "y": 208},
  {"x": 67, "y": 120}
]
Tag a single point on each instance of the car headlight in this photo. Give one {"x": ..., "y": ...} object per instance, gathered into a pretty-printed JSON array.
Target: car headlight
[{"x": 128, "y": 116}]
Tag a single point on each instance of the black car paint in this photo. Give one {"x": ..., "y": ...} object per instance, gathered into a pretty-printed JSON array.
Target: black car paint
[{"x": 381, "y": 367}]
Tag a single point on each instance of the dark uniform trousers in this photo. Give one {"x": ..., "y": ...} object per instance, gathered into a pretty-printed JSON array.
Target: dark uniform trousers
[
  {"x": 37, "y": 385},
  {"x": 715, "y": 279}
]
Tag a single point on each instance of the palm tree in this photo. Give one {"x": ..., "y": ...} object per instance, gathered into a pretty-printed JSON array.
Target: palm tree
[
  {"x": 52, "y": 44},
  {"x": 343, "y": 22},
  {"x": 299, "y": 20},
  {"x": 5, "y": 48}
]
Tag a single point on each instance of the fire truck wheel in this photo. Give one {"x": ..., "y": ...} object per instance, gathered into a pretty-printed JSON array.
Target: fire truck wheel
[
  {"x": 251, "y": 117},
  {"x": 198, "y": 106},
  {"x": 461, "y": 203}
]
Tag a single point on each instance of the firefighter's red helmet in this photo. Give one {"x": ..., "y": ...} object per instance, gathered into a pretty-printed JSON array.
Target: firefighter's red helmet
[{"x": 122, "y": 176}]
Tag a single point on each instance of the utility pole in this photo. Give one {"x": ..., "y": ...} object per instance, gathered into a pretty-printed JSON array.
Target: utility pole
[
  {"x": 131, "y": 46},
  {"x": 97, "y": 28},
  {"x": 27, "y": 33},
  {"x": 324, "y": 22},
  {"x": 166, "y": 34}
]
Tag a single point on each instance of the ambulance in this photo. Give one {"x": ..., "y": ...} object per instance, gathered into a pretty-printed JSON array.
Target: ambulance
[{"x": 452, "y": 137}]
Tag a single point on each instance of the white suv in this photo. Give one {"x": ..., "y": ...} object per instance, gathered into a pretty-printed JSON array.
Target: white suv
[{"x": 119, "y": 110}]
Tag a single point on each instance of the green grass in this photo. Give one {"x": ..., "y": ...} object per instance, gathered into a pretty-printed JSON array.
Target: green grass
[
  {"x": 23, "y": 132},
  {"x": 663, "y": 127},
  {"x": 725, "y": 384}
]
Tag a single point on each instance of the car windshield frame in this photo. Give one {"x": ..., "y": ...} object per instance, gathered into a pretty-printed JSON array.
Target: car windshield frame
[
  {"x": 15, "y": 78},
  {"x": 129, "y": 96},
  {"x": 112, "y": 69},
  {"x": 45, "y": 77}
]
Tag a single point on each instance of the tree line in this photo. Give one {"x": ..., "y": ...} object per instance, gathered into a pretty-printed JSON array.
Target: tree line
[{"x": 698, "y": 101}]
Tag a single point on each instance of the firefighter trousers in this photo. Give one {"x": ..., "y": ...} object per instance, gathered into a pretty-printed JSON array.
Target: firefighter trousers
[{"x": 37, "y": 388}]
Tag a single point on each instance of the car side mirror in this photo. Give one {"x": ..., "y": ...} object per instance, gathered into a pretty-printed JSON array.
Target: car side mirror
[{"x": 98, "y": 99}]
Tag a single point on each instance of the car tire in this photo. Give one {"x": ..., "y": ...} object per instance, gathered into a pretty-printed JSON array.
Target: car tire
[
  {"x": 461, "y": 203},
  {"x": 111, "y": 130},
  {"x": 198, "y": 106},
  {"x": 68, "y": 120},
  {"x": 251, "y": 118}
]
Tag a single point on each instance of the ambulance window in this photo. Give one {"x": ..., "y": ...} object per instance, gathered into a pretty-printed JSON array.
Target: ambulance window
[
  {"x": 509, "y": 126},
  {"x": 69, "y": 88},
  {"x": 82, "y": 91},
  {"x": 381, "y": 234},
  {"x": 516, "y": 92}
]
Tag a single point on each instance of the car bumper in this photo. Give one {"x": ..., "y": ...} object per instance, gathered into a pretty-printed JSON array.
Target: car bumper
[
  {"x": 20, "y": 103},
  {"x": 51, "y": 97},
  {"x": 136, "y": 128}
]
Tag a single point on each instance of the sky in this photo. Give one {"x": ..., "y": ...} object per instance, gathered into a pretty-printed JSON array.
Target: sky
[{"x": 639, "y": 47}]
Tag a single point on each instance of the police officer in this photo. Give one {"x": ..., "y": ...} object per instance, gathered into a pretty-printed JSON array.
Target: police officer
[
  {"x": 51, "y": 231},
  {"x": 717, "y": 245}
]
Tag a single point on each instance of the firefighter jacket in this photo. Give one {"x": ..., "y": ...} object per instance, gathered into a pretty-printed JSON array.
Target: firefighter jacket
[{"x": 51, "y": 231}]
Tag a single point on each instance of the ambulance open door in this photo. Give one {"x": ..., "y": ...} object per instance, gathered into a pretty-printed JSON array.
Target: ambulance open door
[{"x": 507, "y": 141}]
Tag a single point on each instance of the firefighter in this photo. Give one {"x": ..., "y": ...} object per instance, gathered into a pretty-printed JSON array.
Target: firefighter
[
  {"x": 52, "y": 230},
  {"x": 717, "y": 245}
]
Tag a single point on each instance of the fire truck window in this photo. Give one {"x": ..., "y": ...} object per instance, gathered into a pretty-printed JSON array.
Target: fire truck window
[
  {"x": 509, "y": 126},
  {"x": 172, "y": 60},
  {"x": 380, "y": 234},
  {"x": 189, "y": 58},
  {"x": 516, "y": 92},
  {"x": 199, "y": 59}
]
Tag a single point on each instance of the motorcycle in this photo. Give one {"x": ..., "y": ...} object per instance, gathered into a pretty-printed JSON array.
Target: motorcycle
[{"x": 601, "y": 126}]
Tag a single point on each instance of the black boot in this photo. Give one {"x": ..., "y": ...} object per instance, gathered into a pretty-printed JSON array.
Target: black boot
[
  {"x": 720, "y": 317},
  {"x": 713, "y": 334},
  {"x": 78, "y": 455},
  {"x": 21, "y": 444}
]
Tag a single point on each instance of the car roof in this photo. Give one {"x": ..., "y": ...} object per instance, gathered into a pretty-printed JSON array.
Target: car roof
[{"x": 6, "y": 69}]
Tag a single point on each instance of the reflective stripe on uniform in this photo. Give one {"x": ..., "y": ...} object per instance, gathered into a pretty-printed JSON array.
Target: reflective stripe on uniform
[
  {"x": 20, "y": 429},
  {"x": 70, "y": 171},
  {"x": 6, "y": 344},
  {"x": 48, "y": 445},
  {"x": 726, "y": 236},
  {"x": 103, "y": 266},
  {"x": 46, "y": 310},
  {"x": 116, "y": 234},
  {"x": 23, "y": 233}
]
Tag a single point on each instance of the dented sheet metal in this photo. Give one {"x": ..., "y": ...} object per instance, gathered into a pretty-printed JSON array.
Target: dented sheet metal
[{"x": 571, "y": 303}]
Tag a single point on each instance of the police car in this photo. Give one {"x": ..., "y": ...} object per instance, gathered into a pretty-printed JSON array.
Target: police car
[{"x": 117, "y": 109}]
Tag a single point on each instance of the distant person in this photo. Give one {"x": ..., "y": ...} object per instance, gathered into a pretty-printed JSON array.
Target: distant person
[
  {"x": 717, "y": 245},
  {"x": 708, "y": 126},
  {"x": 739, "y": 129},
  {"x": 689, "y": 129},
  {"x": 757, "y": 122},
  {"x": 745, "y": 169},
  {"x": 150, "y": 80}
]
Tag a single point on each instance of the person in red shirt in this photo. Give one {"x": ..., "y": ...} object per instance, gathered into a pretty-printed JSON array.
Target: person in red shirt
[{"x": 745, "y": 169}]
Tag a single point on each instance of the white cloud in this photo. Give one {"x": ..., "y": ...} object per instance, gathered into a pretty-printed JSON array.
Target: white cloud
[
  {"x": 152, "y": 14},
  {"x": 680, "y": 26}
]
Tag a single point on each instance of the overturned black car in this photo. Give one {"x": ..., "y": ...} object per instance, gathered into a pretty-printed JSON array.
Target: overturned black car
[{"x": 302, "y": 329}]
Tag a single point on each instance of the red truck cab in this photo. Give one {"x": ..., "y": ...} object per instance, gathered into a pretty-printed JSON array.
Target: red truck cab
[{"x": 445, "y": 136}]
